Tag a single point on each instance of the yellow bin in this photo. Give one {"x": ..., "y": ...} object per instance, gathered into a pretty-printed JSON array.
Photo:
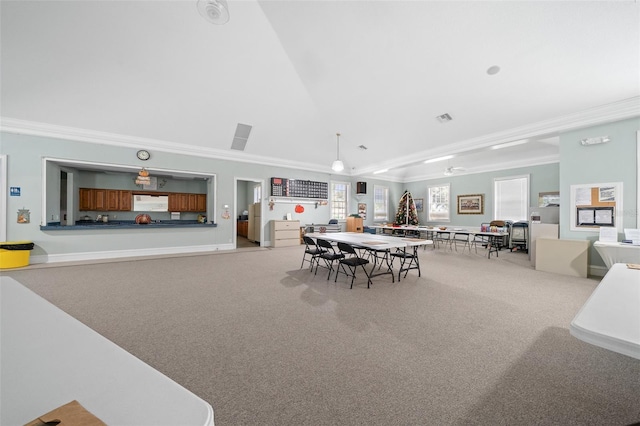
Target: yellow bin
[{"x": 15, "y": 254}]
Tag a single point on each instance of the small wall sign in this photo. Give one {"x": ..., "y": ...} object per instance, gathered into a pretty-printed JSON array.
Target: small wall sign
[
  {"x": 24, "y": 216},
  {"x": 14, "y": 191}
]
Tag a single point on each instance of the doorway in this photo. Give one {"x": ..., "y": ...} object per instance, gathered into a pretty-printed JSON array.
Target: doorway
[{"x": 249, "y": 232}]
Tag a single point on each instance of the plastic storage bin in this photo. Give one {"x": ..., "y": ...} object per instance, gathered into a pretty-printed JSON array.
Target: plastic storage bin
[{"x": 15, "y": 254}]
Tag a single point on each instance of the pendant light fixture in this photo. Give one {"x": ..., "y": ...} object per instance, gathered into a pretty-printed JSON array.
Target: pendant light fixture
[{"x": 337, "y": 165}]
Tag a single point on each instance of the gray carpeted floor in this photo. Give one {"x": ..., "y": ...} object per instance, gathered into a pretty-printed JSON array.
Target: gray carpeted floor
[{"x": 473, "y": 341}]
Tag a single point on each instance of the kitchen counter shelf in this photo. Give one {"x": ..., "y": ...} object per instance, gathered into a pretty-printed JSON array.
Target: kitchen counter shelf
[{"x": 79, "y": 226}]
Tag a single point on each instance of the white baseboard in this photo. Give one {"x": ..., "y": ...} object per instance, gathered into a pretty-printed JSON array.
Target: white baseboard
[
  {"x": 598, "y": 271},
  {"x": 123, "y": 254}
]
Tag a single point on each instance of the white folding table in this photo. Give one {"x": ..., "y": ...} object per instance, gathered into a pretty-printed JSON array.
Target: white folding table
[
  {"x": 611, "y": 316},
  {"x": 376, "y": 243},
  {"x": 617, "y": 253},
  {"x": 49, "y": 359}
]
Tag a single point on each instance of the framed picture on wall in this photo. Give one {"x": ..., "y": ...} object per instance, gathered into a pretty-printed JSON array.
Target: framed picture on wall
[
  {"x": 419, "y": 204},
  {"x": 362, "y": 210},
  {"x": 471, "y": 204},
  {"x": 546, "y": 199}
]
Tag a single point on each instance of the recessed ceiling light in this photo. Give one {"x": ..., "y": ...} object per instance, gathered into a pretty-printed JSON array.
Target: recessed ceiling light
[
  {"x": 508, "y": 144},
  {"x": 434, "y": 160},
  {"x": 381, "y": 171},
  {"x": 493, "y": 70}
]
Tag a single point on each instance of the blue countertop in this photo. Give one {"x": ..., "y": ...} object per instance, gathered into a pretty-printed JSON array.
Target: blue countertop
[{"x": 125, "y": 224}]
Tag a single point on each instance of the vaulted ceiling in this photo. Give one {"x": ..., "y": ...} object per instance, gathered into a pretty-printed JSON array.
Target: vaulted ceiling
[{"x": 156, "y": 74}]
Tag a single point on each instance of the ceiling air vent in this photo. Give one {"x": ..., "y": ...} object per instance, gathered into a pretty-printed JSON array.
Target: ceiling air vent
[
  {"x": 241, "y": 136},
  {"x": 444, "y": 118}
]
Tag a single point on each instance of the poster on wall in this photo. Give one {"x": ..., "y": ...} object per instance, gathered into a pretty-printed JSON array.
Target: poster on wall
[{"x": 607, "y": 194}]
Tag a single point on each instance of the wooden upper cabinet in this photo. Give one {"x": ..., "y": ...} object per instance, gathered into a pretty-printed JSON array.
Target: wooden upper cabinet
[
  {"x": 193, "y": 202},
  {"x": 122, "y": 200},
  {"x": 119, "y": 200},
  {"x": 182, "y": 202},
  {"x": 113, "y": 199},
  {"x": 174, "y": 202},
  {"x": 126, "y": 198},
  {"x": 87, "y": 199},
  {"x": 201, "y": 202},
  {"x": 100, "y": 199},
  {"x": 105, "y": 199}
]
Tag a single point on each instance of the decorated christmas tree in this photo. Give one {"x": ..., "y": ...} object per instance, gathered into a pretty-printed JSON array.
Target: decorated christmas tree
[{"x": 407, "y": 213}]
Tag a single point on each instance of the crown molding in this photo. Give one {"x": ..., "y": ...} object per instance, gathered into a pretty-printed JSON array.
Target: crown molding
[
  {"x": 616, "y": 111},
  {"x": 32, "y": 128},
  {"x": 539, "y": 161}
]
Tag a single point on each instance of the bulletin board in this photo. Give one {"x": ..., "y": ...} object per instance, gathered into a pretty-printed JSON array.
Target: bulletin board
[{"x": 596, "y": 205}]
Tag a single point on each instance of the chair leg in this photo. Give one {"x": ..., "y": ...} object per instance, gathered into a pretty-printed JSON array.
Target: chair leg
[
  {"x": 330, "y": 265},
  {"x": 353, "y": 277},
  {"x": 366, "y": 273},
  {"x": 344, "y": 271}
]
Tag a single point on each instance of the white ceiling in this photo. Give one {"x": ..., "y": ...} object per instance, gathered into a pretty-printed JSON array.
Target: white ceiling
[{"x": 156, "y": 74}]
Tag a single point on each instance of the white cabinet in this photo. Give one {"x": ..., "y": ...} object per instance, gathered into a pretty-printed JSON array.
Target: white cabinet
[{"x": 285, "y": 233}]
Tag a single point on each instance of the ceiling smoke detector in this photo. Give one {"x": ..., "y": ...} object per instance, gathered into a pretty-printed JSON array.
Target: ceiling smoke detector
[
  {"x": 214, "y": 11},
  {"x": 444, "y": 118}
]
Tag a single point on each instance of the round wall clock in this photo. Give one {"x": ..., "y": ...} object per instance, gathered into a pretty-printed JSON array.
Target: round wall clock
[{"x": 143, "y": 155}]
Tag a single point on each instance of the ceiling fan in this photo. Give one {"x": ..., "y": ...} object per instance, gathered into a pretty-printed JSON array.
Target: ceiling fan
[{"x": 451, "y": 170}]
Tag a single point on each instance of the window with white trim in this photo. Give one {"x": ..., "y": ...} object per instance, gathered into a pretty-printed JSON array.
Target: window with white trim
[
  {"x": 511, "y": 198},
  {"x": 439, "y": 204},
  {"x": 257, "y": 193},
  {"x": 340, "y": 200},
  {"x": 380, "y": 203}
]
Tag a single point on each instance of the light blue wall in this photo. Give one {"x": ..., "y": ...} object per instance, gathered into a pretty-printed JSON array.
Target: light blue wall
[
  {"x": 615, "y": 161},
  {"x": 25, "y": 168},
  {"x": 544, "y": 178},
  {"x": 611, "y": 162},
  {"x": 395, "y": 192}
]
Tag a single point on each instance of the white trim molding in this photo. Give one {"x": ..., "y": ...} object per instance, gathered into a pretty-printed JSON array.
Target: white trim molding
[
  {"x": 24, "y": 127},
  {"x": 125, "y": 254}
]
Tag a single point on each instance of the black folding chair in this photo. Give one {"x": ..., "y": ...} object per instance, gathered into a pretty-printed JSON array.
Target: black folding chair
[
  {"x": 311, "y": 252},
  {"x": 352, "y": 262},
  {"x": 329, "y": 256},
  {"x": 411, "y": 258}
]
